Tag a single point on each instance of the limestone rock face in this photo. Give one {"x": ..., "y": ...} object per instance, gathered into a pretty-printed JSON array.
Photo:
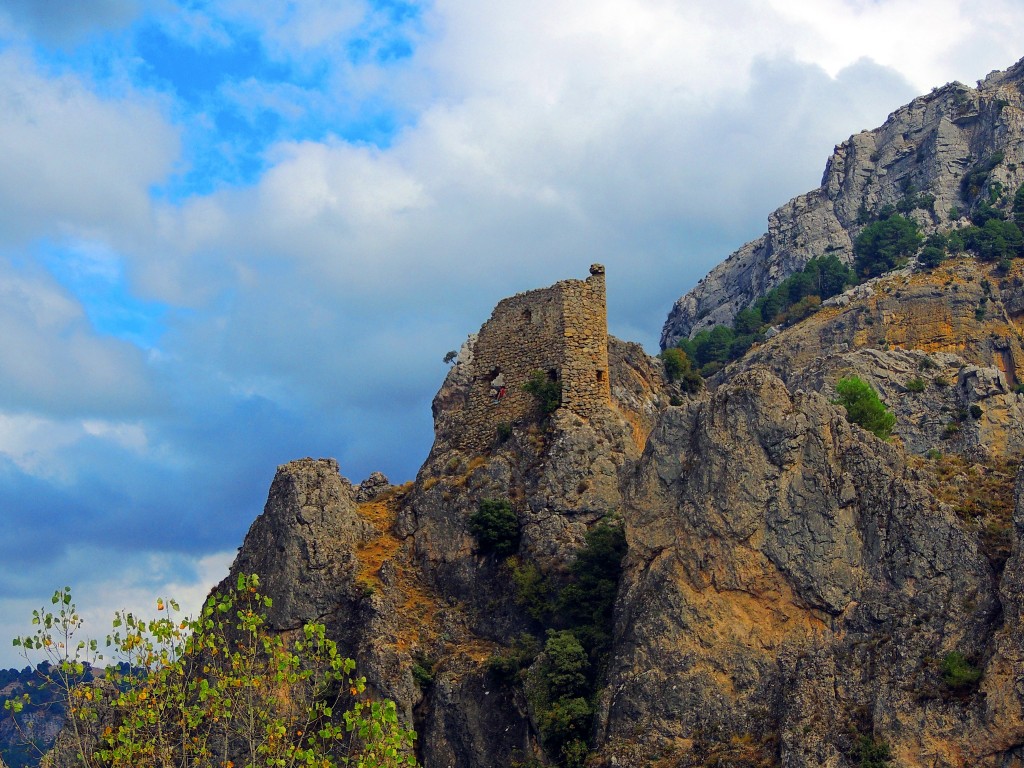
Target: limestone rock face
[
  {"x": 785, "y": 572},
  {"x": 792, "y": 583},
  {"x": 562, "y": 475},
  {"x": 309, "y": 519},
  {"x": 372, "y": 487},
  {"x": 946, "y": 370},
  {"x": 928, "y": 147}
]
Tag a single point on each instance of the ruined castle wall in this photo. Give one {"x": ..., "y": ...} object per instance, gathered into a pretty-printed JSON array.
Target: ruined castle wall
[
  {"x": 585, "y": 385},
  {"x": 561, "y": 331},
  {"x": 523, "y": 335}
]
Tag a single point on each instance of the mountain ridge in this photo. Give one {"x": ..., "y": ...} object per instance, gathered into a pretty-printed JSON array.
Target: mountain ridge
[{"x": 924, "y": 147}]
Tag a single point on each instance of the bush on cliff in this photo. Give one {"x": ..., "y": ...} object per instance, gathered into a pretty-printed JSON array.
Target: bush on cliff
[
  {"x": 885, "y": 245},
  {"x": 559, "y": 693},
  {"x": 546, "y": 389},
  {"x": 495, "y": 527},
  {"x": 958, "y": 673},
  {"x": 864, "y": 407},
  {"x": 679, "y": 367}
]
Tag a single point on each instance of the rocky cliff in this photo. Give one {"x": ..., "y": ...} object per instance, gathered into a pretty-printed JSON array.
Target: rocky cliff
[
  {"x": 918, "y": 158},
  {"x": 794, "y": 589}
]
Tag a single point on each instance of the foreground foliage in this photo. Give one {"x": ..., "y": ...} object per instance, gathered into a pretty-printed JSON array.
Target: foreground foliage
[{"x": 221, "y": 690}]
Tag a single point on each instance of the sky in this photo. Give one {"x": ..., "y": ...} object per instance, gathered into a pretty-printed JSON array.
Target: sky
[{"x": 240, "y": 232}]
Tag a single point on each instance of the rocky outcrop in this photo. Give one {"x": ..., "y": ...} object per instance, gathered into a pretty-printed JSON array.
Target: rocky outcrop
[
  {"x": 398, "y": 578},
  {"x": 943, "y": 349},
  {"x": 926, "y": 147},
  {"x": 792, "y": 584},
  {"x": 303, "y": 544},
  {"x": 786, "y": 572}
]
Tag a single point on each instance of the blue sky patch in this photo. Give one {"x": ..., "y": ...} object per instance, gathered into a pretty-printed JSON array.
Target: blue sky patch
[
  {"x": 194, "y": 74},
  {"x": 94, "y": 275}
]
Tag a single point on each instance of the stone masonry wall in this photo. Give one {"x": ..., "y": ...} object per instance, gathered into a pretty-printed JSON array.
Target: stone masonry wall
[
  {"x": 585, "y": 386},
  {"x": 560, "y": 330}
]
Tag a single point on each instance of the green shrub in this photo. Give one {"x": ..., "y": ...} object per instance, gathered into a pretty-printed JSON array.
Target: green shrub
[
  {"x": 916, "y": 384},
  {"x": 423, "y": 672},
  {"x": 931, "y": 256},
  {"x": 940, "y": 381},
  {"x": 993, "y": 241},
  {"x": 986, "y": 212},
  {"x": 566, "y": 665},
  {"x": 547, "y": 389},
  {"x": 974, "y": 180},
  {"x": 806, "y": 307},
  {"x": 675, "y": 362},
  {"x": 496, "y": 527},
  {"x": 520, "y": 655},
  {"x": 533, "y": 591},
  {"x": 504, "y": 431},
  {"x": 958, "y": 673},
  {"x": 872, "y": 753},
  {"x": 588, "y": 601},
  {"x": 678, "y": 366},
  {"x": 926, "y": 364},
  {"x": 709, "y": 370},
  {"x": 886, "y": 245},
  {"x": 565, "y": 727},
  {"x": 1018, "y": 207},
  {"x": 863, "y": 406},
  {"x": 561, "y": 698},
  {"x": 909, "y": 202},
  {"x": 976, "y": 411}
]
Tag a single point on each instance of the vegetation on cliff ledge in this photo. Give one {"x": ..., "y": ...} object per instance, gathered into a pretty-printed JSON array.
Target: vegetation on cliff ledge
[
  {"x": 792, "y": 300},
  {"x": 576, "y": 618},
  {"x": 863, "y": 406}
]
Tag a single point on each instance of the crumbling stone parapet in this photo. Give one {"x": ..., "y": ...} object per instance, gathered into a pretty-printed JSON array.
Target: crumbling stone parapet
[{"x": 562, "y": 331}]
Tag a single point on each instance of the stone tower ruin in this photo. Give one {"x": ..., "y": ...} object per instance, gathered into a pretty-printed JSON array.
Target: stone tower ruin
[{"x": 561, "y": 331}]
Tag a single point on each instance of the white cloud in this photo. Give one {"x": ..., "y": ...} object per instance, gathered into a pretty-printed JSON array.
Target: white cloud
[
  {"x": 914, "y": 37},
  {"x": 35, "y": 444},
  {"x": 60, "y": 22},
  {"x": 54, "y": 363},
  {"x": 72, "y": 162}
]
